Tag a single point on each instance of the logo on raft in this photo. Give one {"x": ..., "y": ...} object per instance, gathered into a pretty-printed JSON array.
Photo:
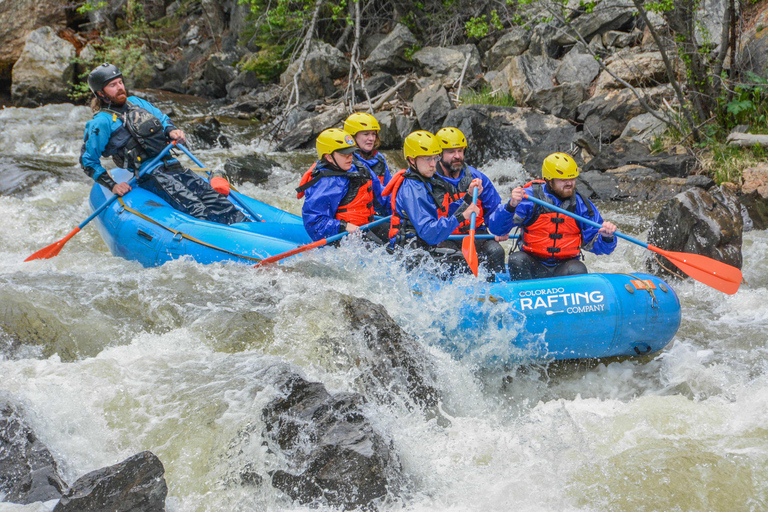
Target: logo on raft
[{"x": 556, "y": 300}]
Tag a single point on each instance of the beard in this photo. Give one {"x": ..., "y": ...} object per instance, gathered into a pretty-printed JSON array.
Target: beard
[{"x": 454, "y": 165}]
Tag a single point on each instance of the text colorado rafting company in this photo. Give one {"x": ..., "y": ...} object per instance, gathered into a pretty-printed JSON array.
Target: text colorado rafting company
[{"x": 556, "y": 298}]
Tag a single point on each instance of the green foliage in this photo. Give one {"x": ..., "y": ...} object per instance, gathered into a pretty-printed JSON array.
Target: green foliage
[
  {"x": 410, "y": 51},
  {"x": 485, "y": 96},
  {"x": 660, "y": 6},
  {"x": 749, "y": 104},
  {"x": 268, "y": 64},
  {"x": 476, "y": 28},
  {"x": 89, "y": 6}
]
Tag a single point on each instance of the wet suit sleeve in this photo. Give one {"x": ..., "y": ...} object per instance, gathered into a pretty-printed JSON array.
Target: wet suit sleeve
[
  {"x": 490, "y": 200},
  {"x": 593, "y": 242},
  {"x": 384, "y": 203},
  {"x": 320, "y": 204},
  {"x": 505, "y": 217},
  {"x": 96, "y": 137},
  {"x": 414, "y": 199}
]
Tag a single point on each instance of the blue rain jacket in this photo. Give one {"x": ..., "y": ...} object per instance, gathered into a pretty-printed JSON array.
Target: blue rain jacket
[{"x": 489, "y": 199}]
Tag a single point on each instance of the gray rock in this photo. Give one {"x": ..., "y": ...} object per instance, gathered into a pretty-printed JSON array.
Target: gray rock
[
  {"x": 606, "y": 15},
  {"x": 644, "y": 128},
  {"x": 618, "y": 154},
  {"x": 753, "y": 54},
  {"x": 525, "y": 74},
  {"x": 513, "y": 43},
  {"x": 406, "y": 125},
  {"x": 307, "y": 131},
  {"x": 205, "y": 133},
  {"x": 561, "y": 100},
  {"x": 754, "y": 210},
  {"x": 639, "y": 69},
  {"x": 577, "y": 67},
  {"x": 699, "y": 222},
  {"x": 332, "y": 452},
  {"x": 700, "y": 181},
  {"x": 137, "y": 483},
  {"x": 447, "y": 63},
  {"x": 389, "y": 55},
  {"x": 502, "y": 132},
  {"x": 616, "y": 39},
  {"x": 28, "y": 472},
  {"x": 431, "y": 105},
  {"x": 218, "y": 72},
  {"x": 606, "y": 116},
  {"x": 44, "y": 70},
  {"x": 324, "y": 63},
  {"x": 255, "y": 168},
  {"x": 378, "y": 83},
  {"x": 709, "y": 22},
  {"x": 245, "y": 82},
  {"x": 543, "y": 41},
  {"x": 389, "y": 135}
]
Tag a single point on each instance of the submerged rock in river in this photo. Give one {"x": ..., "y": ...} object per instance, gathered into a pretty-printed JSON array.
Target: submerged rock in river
[
  {"x": 28, "y": 472},
  {"x": 137, "y": 483},
  {"x": 332, "y": 451}
]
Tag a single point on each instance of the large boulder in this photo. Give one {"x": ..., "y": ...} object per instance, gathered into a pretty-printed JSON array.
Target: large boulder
[
  {"x": 218, "y": 72},
  {"x": 205, "y": 133},
  {"x": 447, "y": 63},
  {"x": 137, "y": 483},
  {"x": 17, "y": 19},
  {"x": 513, "y": 43},
  {"x": 630, "y": 183},
  {"x": 332, "y": 452},
  {"x": 626, "y": 151},
  {"x": 699, "y": 222},
  {"x": 524, "y": 75},
  {"x": 501, "y": 132},
  {"x": 323, "y": 64},
  {"x": 606, "y": 116},
  {"x": 431, "y": 106},
  {"x": 389, "y": 135},
  {"x": 604, "y": 16},
  {"x": 255, "y": 168},
  {"x": 639, "y": 69},
  {"x": 44, "y": 71},
  {"x": 390, "y": 54},
  {"x": 561, "y": 100},
  {"x": 577, "y": 67},
  {"x": 644, "y": 128},
  {"x": 305, "y": 133},
  {"x": 753, "y": 51},
  {"x": 28, "y": 472}
]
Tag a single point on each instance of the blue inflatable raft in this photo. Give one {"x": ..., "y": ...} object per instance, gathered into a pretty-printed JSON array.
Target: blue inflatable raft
[{"x": 575, "y": 317}]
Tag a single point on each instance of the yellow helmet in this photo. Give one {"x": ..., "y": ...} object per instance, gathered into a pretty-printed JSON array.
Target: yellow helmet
[
  {"x": 450, "y": 138},
  {"x": 559, "y": 166},
  {"x": 333, "y": 139},
  {"x": 360, "y": 122},
  {"x": 421, "y": 143}
]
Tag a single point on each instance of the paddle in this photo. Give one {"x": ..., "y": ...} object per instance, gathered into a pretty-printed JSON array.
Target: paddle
[
  {"x": 319, "y": 243},
  {"x": 478, "y": 237},
  {"x": 55, "y": 248},
  {"x": 245, "y": 207},
  {"x": 468, "y": 245},
  {"x": 713, "y": 273}
]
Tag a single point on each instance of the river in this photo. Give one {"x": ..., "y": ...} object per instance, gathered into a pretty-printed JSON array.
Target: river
[{"x": 109, "y": 359}]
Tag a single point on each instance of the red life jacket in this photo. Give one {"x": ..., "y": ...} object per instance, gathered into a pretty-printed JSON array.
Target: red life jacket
[
  {"x": 444, "y": 193},
  {"x": 551, "y": 234},
  {"x": 356, "y": 207},
  {"x": 400, "y": 225}
]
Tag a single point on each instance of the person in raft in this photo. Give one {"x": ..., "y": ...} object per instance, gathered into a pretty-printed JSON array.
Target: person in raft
[
  {"x": 551, "y": 243},
  {"x": 454, "y": 178},
  {"x": 339, "y": 196},
  {"x": 416, "y": 222},
  {"x": 133, "y": 131}
]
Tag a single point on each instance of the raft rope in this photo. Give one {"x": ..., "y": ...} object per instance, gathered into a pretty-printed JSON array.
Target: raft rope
[
  {"x": 672, "y": 272},
  {"x": 184, "y": 235},
  {"x": 654, "y": 301}
]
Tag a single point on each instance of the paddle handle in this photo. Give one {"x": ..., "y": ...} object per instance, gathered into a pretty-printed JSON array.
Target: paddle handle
[
  {"x": 244, "y": 206},
  {"x": 474, "y": 215},
  {"x": 583, "y": 219},
  {"x": 147, "y": 169}
]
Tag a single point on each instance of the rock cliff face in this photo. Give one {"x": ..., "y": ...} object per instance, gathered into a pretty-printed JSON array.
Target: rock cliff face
[{"x": 18, "y": 18}]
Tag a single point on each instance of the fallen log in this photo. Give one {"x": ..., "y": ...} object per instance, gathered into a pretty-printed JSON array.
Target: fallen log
[{"x": 747, "y": 140}]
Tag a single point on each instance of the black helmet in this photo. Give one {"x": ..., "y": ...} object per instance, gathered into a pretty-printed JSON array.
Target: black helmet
[{"x": 101, "y": 76}]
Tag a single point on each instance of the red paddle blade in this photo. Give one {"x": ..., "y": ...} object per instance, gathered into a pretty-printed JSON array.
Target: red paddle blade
[
  {"x": 282, "y": 256},
  {"x": 54, "y": 249},
  {"x": 713, "y": 273},
  {"x": 470, "y": 253}
]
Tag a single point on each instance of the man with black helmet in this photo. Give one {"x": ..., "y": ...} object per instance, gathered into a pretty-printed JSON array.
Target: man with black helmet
[{"x": 133, "y": 131}]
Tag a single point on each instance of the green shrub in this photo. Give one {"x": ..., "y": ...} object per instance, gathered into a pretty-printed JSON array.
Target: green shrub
[
  {"x": 268, "y": 64},
  {"x": 485, "y": 96}
]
